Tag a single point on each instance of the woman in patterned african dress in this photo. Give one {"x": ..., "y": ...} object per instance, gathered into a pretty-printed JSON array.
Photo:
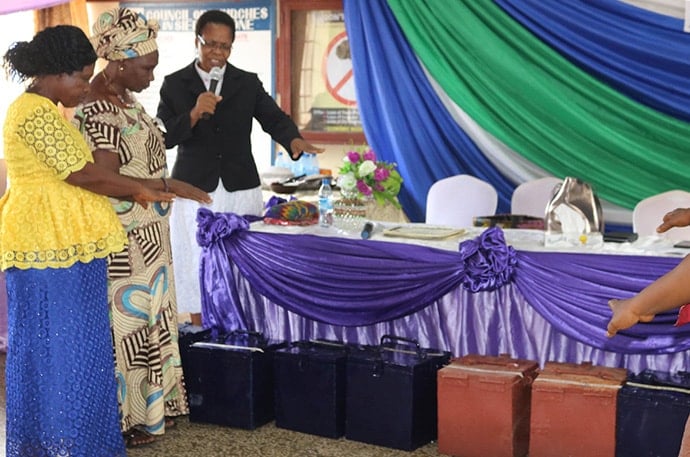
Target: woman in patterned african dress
[{"x": 142, "y": 297}]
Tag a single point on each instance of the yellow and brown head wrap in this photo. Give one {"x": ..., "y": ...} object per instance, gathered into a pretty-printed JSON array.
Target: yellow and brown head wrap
[{"x": 121, "y": 34}]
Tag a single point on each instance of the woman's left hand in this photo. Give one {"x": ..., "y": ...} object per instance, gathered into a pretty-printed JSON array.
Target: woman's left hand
[{"x": 186, "y": 190}]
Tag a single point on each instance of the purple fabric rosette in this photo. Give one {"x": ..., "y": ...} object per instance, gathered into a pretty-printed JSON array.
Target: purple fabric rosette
[
  {"x": 213, "y": 227},
  {"x": 489, "y": 262},
  {"x": 274, "y": 200}
]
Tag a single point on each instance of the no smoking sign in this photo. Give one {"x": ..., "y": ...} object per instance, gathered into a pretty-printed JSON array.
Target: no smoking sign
[{"x": 337, "y": 70}]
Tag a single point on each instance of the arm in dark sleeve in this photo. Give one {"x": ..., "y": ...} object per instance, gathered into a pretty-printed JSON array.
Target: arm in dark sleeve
[
  {"x": 274, "y": 120},
  {"x": 174, "y": 115}
]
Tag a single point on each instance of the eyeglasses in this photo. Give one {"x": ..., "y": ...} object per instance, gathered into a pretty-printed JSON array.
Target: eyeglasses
[{"x": 214, "y": 44}]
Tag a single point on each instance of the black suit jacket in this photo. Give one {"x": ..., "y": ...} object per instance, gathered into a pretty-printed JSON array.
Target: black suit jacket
[{"x": 220, "y": 147}]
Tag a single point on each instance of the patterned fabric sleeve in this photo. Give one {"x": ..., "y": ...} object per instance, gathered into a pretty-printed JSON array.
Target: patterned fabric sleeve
[
  {"x": 106, "y": 127},
  {"x": 91, "y": 121}
]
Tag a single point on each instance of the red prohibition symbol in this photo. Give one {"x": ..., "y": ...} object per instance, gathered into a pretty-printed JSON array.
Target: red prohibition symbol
[{"x": 337, "y": 70}]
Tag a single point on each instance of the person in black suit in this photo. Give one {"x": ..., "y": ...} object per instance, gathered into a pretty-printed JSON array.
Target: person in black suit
[{"x": 212, "y": 132}]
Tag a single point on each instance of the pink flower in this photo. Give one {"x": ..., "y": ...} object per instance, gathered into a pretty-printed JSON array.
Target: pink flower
[
  {"x": 363, "y": 188},
  {"x": 353, "y": 157},
  {"x": 381, "y": 174},
  {"x": 369, "y": 155}
]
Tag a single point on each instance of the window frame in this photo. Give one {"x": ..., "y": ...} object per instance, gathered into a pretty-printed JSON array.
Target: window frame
[{"x": 284, "y": 68}]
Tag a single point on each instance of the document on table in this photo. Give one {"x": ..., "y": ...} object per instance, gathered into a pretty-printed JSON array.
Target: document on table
[{"x": 424, "y": 232}]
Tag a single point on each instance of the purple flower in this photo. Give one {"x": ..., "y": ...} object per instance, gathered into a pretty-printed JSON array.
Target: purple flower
[
  {"x": 369, "y": 155},
  {"x": 381, "y": 174},
  {"x": 363, "y": 187},
  {"x": 353, "y": 157}
]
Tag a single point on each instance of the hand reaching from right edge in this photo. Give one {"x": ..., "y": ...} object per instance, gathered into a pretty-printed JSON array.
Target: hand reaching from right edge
[
  {"x": 624, "y": 316},
  {"x": 679, "y": 217}
]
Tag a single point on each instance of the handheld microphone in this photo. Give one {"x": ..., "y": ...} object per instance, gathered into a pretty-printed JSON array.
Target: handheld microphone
[{"x": 215, "y": 74}]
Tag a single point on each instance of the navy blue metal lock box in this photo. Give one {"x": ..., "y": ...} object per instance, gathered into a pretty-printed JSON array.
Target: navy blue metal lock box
[
  {"x": 310, "y": 387},
  {"x": 189, "y": 334},
  {"x": 391, "y": 393},
  {"x": 229, "y": 380},
  {"x": 651, "y": 413}
]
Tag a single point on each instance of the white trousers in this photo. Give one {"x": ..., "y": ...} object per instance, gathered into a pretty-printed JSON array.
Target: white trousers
[{"x": 185, "y": 249}]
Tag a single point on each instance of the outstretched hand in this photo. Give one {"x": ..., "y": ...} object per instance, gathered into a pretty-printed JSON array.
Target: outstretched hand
[
  {"x": 300, "y": 145},
  {"x": 186, "y": 190},
  {"x": 679, "y": 217},
  {"x": 624, "y": 317}
]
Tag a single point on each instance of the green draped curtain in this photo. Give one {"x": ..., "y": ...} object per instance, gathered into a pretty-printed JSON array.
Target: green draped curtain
[{"x": 541, "y": 105}]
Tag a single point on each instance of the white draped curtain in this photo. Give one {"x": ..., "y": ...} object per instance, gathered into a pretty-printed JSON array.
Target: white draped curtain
[{"x": 675, "y": 8}]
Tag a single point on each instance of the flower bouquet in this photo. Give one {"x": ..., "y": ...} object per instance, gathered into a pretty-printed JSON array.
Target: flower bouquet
[{"x": 363, "y": 177}]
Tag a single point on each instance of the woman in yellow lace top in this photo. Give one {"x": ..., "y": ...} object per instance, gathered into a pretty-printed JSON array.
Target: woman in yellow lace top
[{"x": 55, "y": 232}]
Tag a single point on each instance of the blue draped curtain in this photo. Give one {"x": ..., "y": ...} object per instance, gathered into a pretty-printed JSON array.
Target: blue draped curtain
[
  {"x": 642, "y": 55},
  {"x": 403, "y": 119}
]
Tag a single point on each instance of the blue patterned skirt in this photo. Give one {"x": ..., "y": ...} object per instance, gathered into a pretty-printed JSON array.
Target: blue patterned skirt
[{"x": 61, "y": 388}]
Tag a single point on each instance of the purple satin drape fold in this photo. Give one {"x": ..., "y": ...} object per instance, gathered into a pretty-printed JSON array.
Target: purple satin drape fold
[
  {"x": 572, "y": 291},
  {"x": 351, "y": 287},
  {"x": 336, "y": 280},
  {"x": 24, "y": 5}
]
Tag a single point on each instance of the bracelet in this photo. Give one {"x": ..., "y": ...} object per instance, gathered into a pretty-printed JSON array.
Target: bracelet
[{"x": 165, "y": 185}]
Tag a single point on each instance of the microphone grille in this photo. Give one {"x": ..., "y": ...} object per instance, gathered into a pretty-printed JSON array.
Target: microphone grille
[{"x": 215, "y": 73}]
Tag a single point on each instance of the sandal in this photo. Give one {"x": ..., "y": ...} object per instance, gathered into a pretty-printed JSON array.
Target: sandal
[{"x": 137, "y": 438}]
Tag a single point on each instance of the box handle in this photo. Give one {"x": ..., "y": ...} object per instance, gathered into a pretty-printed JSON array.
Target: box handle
[{"x": 399, "y": 339}]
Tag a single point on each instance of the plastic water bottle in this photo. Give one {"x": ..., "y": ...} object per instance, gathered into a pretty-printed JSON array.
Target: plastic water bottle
[
  {"x": 325, "y": 203},
  {"x": 282, "y": 161},
  {"x": 315, "y": 167},
  {"x": 297, "y": 166},
  {"x": 311, "y": 164}
]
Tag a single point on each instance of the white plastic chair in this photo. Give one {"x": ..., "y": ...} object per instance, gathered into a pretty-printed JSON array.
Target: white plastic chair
[
  {"x": 649, "y": 213},
  {"x": 455, "y": 200},
  {"x": 531, "y": 198}
]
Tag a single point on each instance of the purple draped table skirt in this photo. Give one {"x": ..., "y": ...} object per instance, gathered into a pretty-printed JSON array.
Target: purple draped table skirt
[{"x": 485, "y": 298}]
